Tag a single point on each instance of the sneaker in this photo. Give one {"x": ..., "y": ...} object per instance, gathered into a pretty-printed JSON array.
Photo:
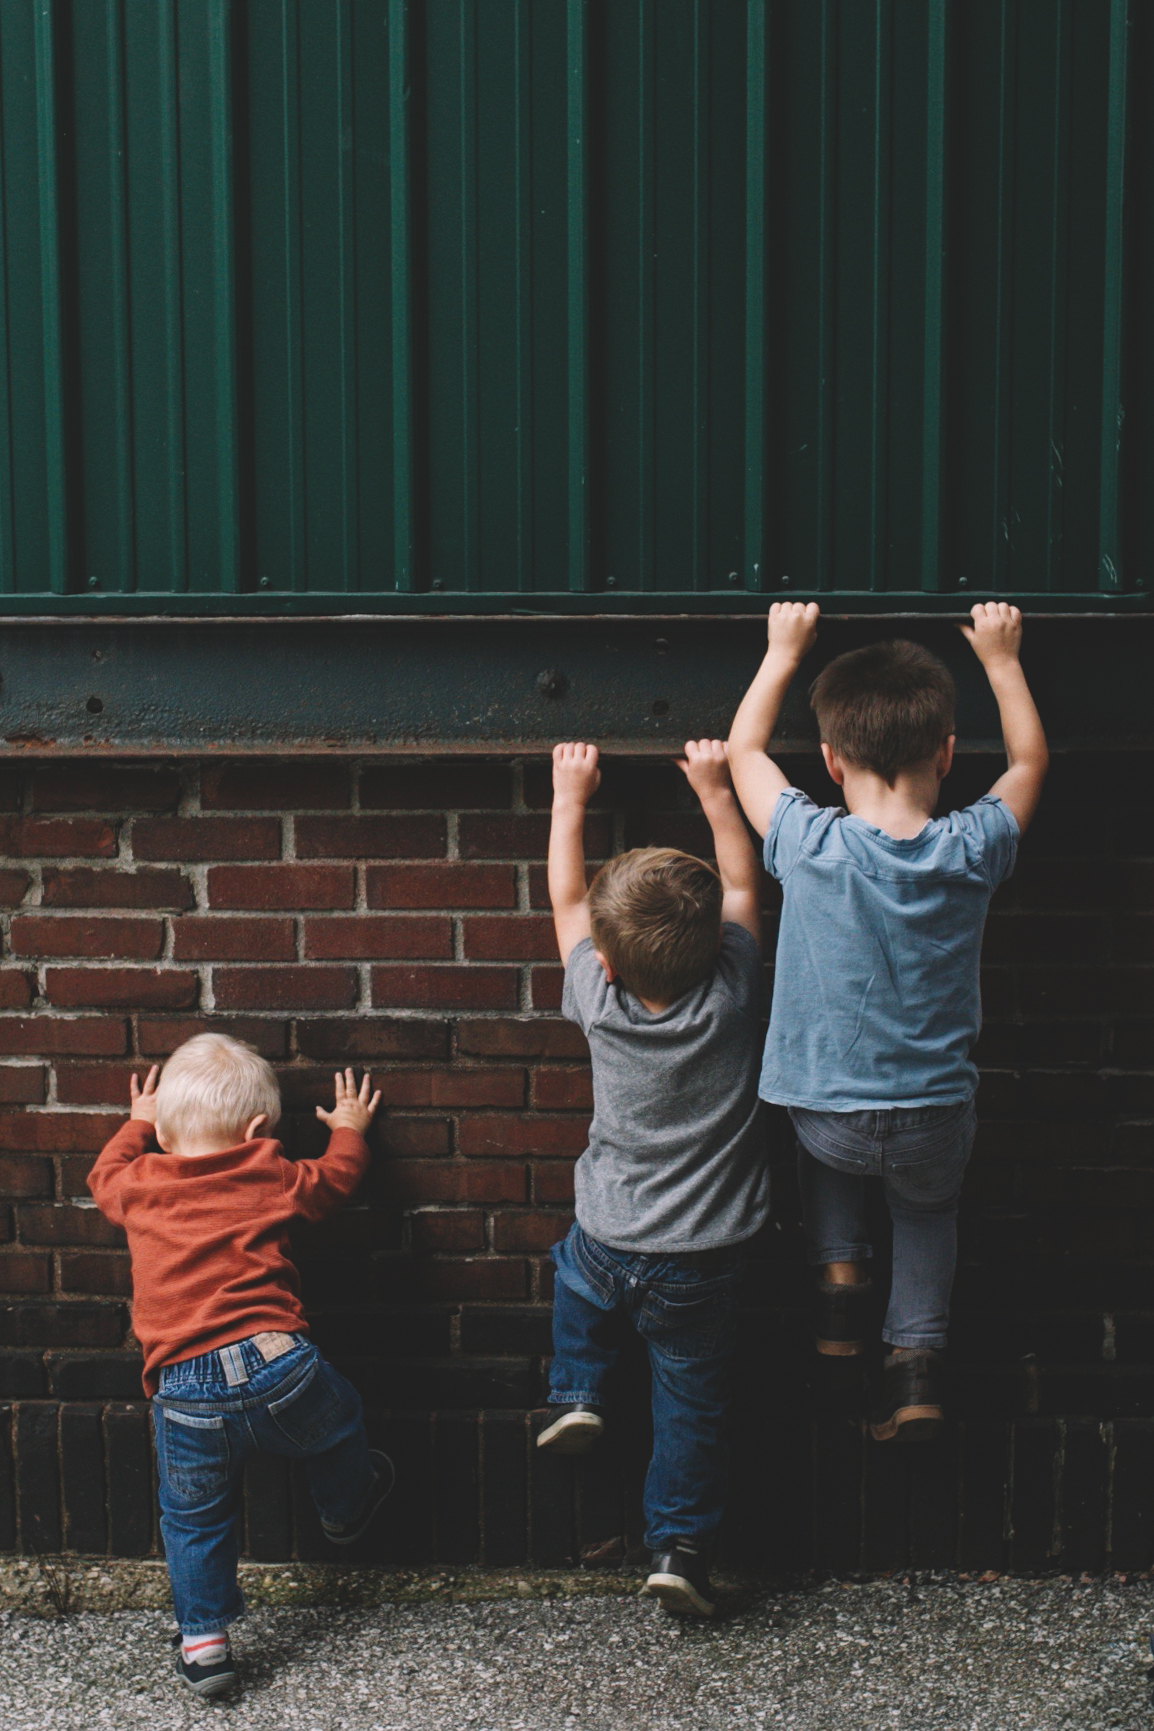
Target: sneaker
[
  {"x": 909, "y": 1405},
  {"x": 680, "y": 1579},
  {"x": 381, "y": 1486},
  {"x": 841, "y": 1318},
  {"x": 204, "y": 1680},
  {"x": 574, "y": 1430}
]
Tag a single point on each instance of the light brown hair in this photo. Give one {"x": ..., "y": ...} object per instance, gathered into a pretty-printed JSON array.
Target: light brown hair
[
  {"x": 885, "y": 707},
  {"x": 212, "y": 1087},
  {"x": 655, "y": 915}
]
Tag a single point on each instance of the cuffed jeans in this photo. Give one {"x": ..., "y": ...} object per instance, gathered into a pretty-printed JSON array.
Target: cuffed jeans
[
  {"x": 920, "y": 1154},
  {"x": 683, "y": 1307},
  {"x": 210, "y": 1415}
]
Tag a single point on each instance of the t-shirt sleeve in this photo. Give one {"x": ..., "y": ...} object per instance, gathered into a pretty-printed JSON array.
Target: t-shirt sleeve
[
  {"x": 993, "y": 830},
  {"x": 741, "y": 965},
  {"x": 790, "y": 822},
  {"x": 583, "y": 997}
]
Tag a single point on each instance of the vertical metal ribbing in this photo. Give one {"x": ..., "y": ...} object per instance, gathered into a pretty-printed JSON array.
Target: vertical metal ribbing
[
  {"x": 1058, "y": 242},
  {"x": 755, "y": 356},
  {"x": 701, "y": 68},
  {"x": 173, "y": 298},
  {"x": 290, "y": 82},
  {"x": 1109, "y": 550},
  {"x": 646, "y": 239},
  {"x": 56, "y": 500},
  {"x": 347, "y": 309},
  {"x": 523, "y": 274},
  {"x": 470, "y": 503},
  {"x": 934, "y": 287},
  {"x": 400, "y": 273},
  {"x": 879, "y": 295},
  {"x": 576, "y": 116},
  {"x": 118, "y": 249},
  {"x": 7, "y": 527},
  {"x": 1000, "y": 442},
  {"x": 826, "y": 299},
  {"x": 224, "y": 292}
]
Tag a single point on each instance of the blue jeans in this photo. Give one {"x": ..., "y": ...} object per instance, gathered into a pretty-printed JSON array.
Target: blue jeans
[
  {"x": 210, "y": 1415},
  {"x": 683, "y": 1307},
  {"x": 920, "y": 1154}
]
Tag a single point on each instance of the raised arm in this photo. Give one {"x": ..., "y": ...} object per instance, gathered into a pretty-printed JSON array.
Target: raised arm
[
  {"x": 706, "y": 769},
  {"x": 996, "y": 639},
  {"x": 576, "y": 779},
  {"x": 316, "y": 1187},
  {"x": 758, "y": 780}
]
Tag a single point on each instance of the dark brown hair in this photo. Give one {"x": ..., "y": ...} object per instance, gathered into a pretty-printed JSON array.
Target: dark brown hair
[
  {"x": 884, "y": 707},
  {"x": 655, "y": 914}
]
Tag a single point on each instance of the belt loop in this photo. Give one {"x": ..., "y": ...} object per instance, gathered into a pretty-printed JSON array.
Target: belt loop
[{"x": 232, "y": 1363}]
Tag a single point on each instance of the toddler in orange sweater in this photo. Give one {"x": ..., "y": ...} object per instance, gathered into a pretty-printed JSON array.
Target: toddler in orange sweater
[{"x": 205, "y": 1196}]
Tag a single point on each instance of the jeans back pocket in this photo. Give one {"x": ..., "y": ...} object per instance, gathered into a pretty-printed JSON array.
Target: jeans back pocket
[
  {"x": 691, "y": 1322},
  {"x": 315, "y": 1410},
  {"x": 193, "y": 1457}
]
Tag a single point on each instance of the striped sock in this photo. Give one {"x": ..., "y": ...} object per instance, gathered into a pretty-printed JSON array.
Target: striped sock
[{"x": 205, "y": 1649}]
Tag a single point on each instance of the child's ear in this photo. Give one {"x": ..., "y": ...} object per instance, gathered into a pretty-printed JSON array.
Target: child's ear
[
  {"x": 252, "y": 1128},
  {"x": 833, "y": 764},
  {"x": 946, "y": 756},
  {"x": 608, "y": 969},
  {"x": 163, "y": 1143}
]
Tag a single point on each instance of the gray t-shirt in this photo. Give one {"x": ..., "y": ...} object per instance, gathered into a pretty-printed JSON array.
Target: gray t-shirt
[{"x": 676, "y": 1158}]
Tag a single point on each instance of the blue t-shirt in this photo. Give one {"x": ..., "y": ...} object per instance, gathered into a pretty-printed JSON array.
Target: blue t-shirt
[{"x": 876, "y": 1000}]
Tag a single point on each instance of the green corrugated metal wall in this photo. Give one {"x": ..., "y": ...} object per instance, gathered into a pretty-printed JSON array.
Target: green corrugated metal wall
[{"x": 333, "y": 305}]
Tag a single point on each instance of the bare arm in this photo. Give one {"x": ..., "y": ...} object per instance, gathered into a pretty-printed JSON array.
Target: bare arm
[
  {"x": 706, "y": 768},
  {"x": 576, "y": 779},
  {"x": 758, "y": 780},
  {"x": 996, "y": 637}
]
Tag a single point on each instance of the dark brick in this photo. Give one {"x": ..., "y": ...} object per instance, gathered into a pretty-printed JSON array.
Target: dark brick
[
  {"x": 480, "y": 1181},
  {"x": 82, "y": 1479},
  {"x": 94, "y": 1375},
  {"x": 281, "y": 886},
  {"x": 362, "y": 937},
  {"x": 292, "y": 988},
  {"x": 161, "y": 1035},
  {"x": 16, "y": 991},
  {"x": 415, "y": 1138},
  {"x": 552, "y": 1181},
  {"x": 21, "y": 1273},
  {"x": 454, "y": 1087},
  {"x": 529, "y": 1037},
  {"x": 556, "y": 1089},
  {"x": 524, "y": 1331},
  {"x": 441, "y": 884},
  {"x": 529, "y": 1233},
  {"x": 372, "y": 1037},
  {"x": 73, "y": 1323},
  {"x": 509, "y": 938},
  {"x": 56, "y": 838},
  {"x": 65, "y": 1223},
  {"x": 37, "y": 1477},
  {"x": 442, "y": 1229},
  {"x": 456, "y": 1447},
  {"x": 50, "y": 1036},
  {"x": 461, "y": 786},
  {"x": 456, "y": 1278},
  {"x": 122, "y": 988},
  {"x": 108, "y": 1274},
  {"x": 21, "y": 1085},
  {"x": 552, "y": 1520},
  {"x": 370, "y": 837},
  {"x": 8, "y": 1532},
  {"x": 137, "y": 940},
  {"x": 21, "y": 1378},
  {"x": 108, "y": 787},
  {"x": 444, "y": 987},
  {"x": 95, "y": 1084},
  {"x": 13, "y": 886},
  {"x": 489, "y": 1133},
  {"x": 206, "y": 838},
  {"x": 24, "y": 1175},
  {"x": 546, "y": 986},
  {"x": 505, "y": 1488},
  {"x": 55, "y": 1132},
  {"x": 266, "y": 785},
  {"x": 128, "y": 1452},
  {"x": 96, "y": 887},
  {"x": 511, "y": 837},
  {"x": 208, "y": 938}
]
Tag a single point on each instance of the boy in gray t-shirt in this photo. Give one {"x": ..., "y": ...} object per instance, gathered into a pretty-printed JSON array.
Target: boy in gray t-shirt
[{"x": 663, "y": 972}]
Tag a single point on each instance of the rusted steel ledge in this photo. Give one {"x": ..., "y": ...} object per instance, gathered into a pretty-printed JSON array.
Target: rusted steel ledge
[{"x": 498, "y": 684}]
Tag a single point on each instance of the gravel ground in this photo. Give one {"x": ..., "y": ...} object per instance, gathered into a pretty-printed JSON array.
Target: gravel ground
[{"x": 880, "y": 1656}]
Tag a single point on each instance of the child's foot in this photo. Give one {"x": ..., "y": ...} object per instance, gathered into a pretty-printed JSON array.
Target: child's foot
[
  {"x": 680, "y": 1579},
  {"x": 382, "y": 1485},
  {"x": 574, "y": 1430},
  {"x": 909, "y": 1405},
  {"x": 204, "y": 1663},
  {"x": 841, "y": 1319}
]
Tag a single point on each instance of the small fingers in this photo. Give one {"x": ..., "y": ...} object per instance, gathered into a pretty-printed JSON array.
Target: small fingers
[
  {"x": 372, "y": 1104},
  {"x": 365, "y": 1084},
  {"x": 350, "y": 1085},
  {"x": 134, "y": 1086},
  {"x": 151, "y": 1079}
]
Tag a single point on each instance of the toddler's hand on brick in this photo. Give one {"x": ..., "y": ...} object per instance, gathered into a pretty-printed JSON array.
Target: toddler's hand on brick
[
  {"x": 576, "y": 776},
  {"x": 705, "y": 766},
  {"x": 354, "y": 1108},
  {"x": 142, "y": 1101}
]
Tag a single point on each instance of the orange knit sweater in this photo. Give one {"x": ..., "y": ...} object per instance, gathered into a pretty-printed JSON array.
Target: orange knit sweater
[{"x": 209, "y": 1236}]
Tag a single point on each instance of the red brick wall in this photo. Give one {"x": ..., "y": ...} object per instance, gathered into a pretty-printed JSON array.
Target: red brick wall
[{"x": 396, "y": 915}]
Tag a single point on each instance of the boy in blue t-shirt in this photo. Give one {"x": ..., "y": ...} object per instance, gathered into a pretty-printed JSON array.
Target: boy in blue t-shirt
[{"x": 876, "y": 1001}]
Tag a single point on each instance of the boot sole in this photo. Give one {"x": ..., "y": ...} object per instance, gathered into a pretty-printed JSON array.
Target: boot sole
[
  {"x": 910, "y": 1424},
  {"x": 678, "y": 1596},
  {"x": 574, "y": 1434},
  {"x": 840, "y": 1348}
]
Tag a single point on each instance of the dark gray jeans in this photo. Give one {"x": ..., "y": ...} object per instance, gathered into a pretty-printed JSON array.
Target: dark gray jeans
[{"x": 920, "y": 1155}]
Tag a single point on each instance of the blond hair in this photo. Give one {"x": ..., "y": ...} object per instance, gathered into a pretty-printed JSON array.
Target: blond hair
[
  {"x": 655, "y": 915},
  {"x": 213, "y": 1087}
]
